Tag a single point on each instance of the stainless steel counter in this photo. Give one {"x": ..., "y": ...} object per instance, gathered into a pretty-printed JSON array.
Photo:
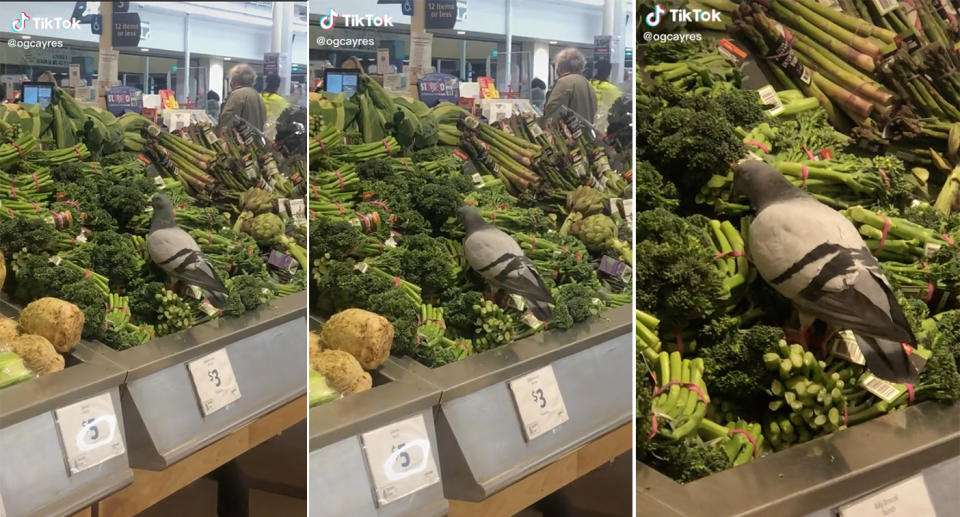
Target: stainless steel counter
[
  {"x": 817, "y": 476},
  {"x": 482, "y": 448},
  {"x": 34, "y": 478}
]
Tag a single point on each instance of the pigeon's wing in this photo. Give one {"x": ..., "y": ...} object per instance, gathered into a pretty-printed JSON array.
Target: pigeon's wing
[
  {"x": 175, "y": 251},
  {"x": 813, "y": 255},
  {"x": 500, "y": 260}
]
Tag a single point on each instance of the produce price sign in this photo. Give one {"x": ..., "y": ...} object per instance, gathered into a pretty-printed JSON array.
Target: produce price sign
[
  {"x": 214, "y": 381},
  {"x": 906, "y": 498},
  {"x": 539, "y": 402},
  {"x": 400, "y": 459},
  {"x": 90, "y": 432}
]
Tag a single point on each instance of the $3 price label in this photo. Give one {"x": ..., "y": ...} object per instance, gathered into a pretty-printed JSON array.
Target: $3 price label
[
  {"x": 539, "y": 402},
  {"x": 214, "y": 381},
  {"x": 90, "y": 432},
  {"x": 400, "y": 458}
]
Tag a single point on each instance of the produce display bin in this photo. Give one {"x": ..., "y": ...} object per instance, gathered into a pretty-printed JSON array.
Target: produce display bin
[
  {"x": 340, "y": 483},
  {"x": 34, "y": 477},
  {"x": 482, "y": 447},
  {"x": 162, "y": 413},
  {"x": 814, "y": 478}
]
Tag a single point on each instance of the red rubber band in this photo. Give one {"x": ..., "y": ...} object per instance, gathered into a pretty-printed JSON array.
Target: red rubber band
[
  {"x": 36, "y": 207},
  {"x": 386, "y": 145},
  {"x": 759, "y": 145},
  {"x": 886, "y": 179},
  {"x": 883, "y": 233},
  {"x": 930, "y": 290},
  {"x": 804, "y": 174},
  {"x": 382, "y": 205},
  {"x": 678, "y": 339},
  {"x": 749, "y": 436},
  {"x": 19, "y": 149},
  {"x": 313, "y": 188},
  {"x": 339, "y": 207},
  {"x": 13, "y": 190},
  {"x": 13, "y": 214},
  {"x": 36, "y": 182},
  {"x": 578, "y": 256},
  {"x": 86, "y": 273},
  {"x": 809, "y": 154},
  {"x": 396, "y": 281},
  {"x": 910, "y": 393},
  {"x": 947, "y": 238},
  {"x": 533, "y": 243},
  {"x": 653, "y": 427},
  {"x": 79, "y": 154},
  {"x": 731, "y": 253},
  {"x": 339, "y": 178}
]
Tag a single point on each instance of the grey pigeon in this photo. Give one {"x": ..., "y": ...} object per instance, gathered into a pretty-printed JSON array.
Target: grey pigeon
[
  {"x": 175, "y": 251},
  {"x": 500, "y": 261},
  {"x": 813, "y": 255}
]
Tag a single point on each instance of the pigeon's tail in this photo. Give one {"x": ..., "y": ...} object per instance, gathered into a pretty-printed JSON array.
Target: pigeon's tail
[
  {"x": 540, "y": 309},
  {"x": 217, "y": 298},
  {"x": 888, "y": 360}
]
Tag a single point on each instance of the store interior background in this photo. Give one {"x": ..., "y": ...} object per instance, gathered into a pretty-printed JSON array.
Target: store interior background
[
  {"x": 210, "y": 36},
  {"x": 530, "y": 32}
]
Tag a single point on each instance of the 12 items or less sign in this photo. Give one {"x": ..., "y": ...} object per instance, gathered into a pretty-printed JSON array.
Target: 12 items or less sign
[
  {"x": 214, "y": 381},
  {"x": 539, "y": 402},
  {"x": 400, "y": 459},
  {"x": 90, "y": 432}
]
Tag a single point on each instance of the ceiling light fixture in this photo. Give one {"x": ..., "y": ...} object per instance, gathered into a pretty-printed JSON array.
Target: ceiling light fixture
[
  {"x": 461, "y": 32},
  {"x": 553, "y": 42},
  {"x": 25, "y": 36}
]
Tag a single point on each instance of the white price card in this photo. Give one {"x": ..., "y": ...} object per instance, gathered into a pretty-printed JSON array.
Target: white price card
[
  {"x": 214, "y": 380},
  {"x": 908, "y": 498},
  {"x": 400, "y": 459},
  {"x": 539, "y": 402},
  {"x": 90, "y": 432}
]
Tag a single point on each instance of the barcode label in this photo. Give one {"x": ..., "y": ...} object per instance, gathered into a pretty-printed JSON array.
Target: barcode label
[
  {"x": 805, "y": 76},
  {"x": 769, "y": 97},
  {"x": 477, "y": 179},
  {"x": 930, "y": 248},
  {"x": 885, "y": 6},
  {"x": 886, "y": 390},
  {"x": 845, "y": 346},
  {"x": 535, "y": 130}
]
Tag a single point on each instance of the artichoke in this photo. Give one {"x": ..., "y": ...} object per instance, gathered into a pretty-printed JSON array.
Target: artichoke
[
  {"x": 596, "y": 231},
  {"x": 267, "y": 229}
]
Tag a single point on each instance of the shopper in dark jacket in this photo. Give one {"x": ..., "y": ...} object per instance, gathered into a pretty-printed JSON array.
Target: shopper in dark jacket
[
  {"x": 244, "y": 101},
  {"x": 538, "y": 92},
  {"x": 213, "y": 105},
  {"x": 571, "y": 88}
]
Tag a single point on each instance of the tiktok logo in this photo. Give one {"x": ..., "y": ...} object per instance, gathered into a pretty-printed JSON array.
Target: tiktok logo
[
  {"x": 327, "y": 22},
  {"x": 20, "y": 22},
  {"x": 653, "y": 19}
]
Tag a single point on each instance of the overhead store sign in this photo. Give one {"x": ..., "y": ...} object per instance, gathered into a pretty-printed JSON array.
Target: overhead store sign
[
  {"x": 406, "y": 8},
  {"x": 441, "y": 14},
  {"x": 126, "y": 29},
  {"x": 271, "y": 63},
  {"x": 54, "y": 58}
]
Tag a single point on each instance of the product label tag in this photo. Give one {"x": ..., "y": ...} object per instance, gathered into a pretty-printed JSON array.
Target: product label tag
[
  {"x": 907, "y": 498},
  {"x": 539, "y": 402},
  {"x": 90, "y": 432},
  {"x": 769, "y": 97},
  {"x": 845, "y": 346},
  {"x": 886, "y": 390},
  {"x": 214, "y": 381},
  {"x": 400, "y": 459}
]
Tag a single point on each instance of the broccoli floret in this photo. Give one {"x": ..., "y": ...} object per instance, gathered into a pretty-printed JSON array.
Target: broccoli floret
[
  {"x": 35, "y": 277},
  {"x": 741, "y": 108},
  {"x": 733, "y": 360},
  {"x": 252, "y": 290},
  {"x": 335, "y": 239},
  {"x": 652, "y": 190},
  {"x": 90, "y": 299},
  {"x": 577, "y": 302},
  {"x": 438, "y": 202},
  {"x": 675, "y": 274},
  {"x": 458, "y": 313},
  {"x": 394, "y": 305},
  {"x": 144, "y": 301},
  {"x": 945, "y": 267},
  {"x": 375, "y": 169},
  {"x": 430, "y": 154},
  {"x": 426, "y": 262},
  {"x": 686, "y": 460},
  {"x": 127, "y": 198},
  {"x": 27, "y": 233},
  {"x": 117, "y": 257}
]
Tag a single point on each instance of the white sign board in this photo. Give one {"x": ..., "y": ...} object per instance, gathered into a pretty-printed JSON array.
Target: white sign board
[
  {"x": 539, "y": 402},
  {"x": 383, "y": 61},
  {"x": 109, "y": 61},
  {"x": 907, "y": 498},
  {"x": 421, "y": 54},
  {"x": 90, "y": 432},
  {"x": 400, "y": 459},
  {"x": 214, "y": 381},
  {"x": 75, "y": 79}
]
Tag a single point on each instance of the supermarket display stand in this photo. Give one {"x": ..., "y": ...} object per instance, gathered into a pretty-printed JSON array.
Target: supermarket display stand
[
  {"x": 164, "y": 420},
  {"x": 816, "y": 477},
  {"x": 558, "y": 474},
  {"x": 335, "y": 440},
  {"x": 34, "y": 478},
  {"x": 150, "y": 486},
  {"x": 482, "y": 446}
]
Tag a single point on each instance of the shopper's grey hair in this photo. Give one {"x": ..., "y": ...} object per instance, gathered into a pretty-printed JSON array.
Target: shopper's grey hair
[
  {"x": 242, "y": 75},
  {"x": 570, "y": 61}
]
